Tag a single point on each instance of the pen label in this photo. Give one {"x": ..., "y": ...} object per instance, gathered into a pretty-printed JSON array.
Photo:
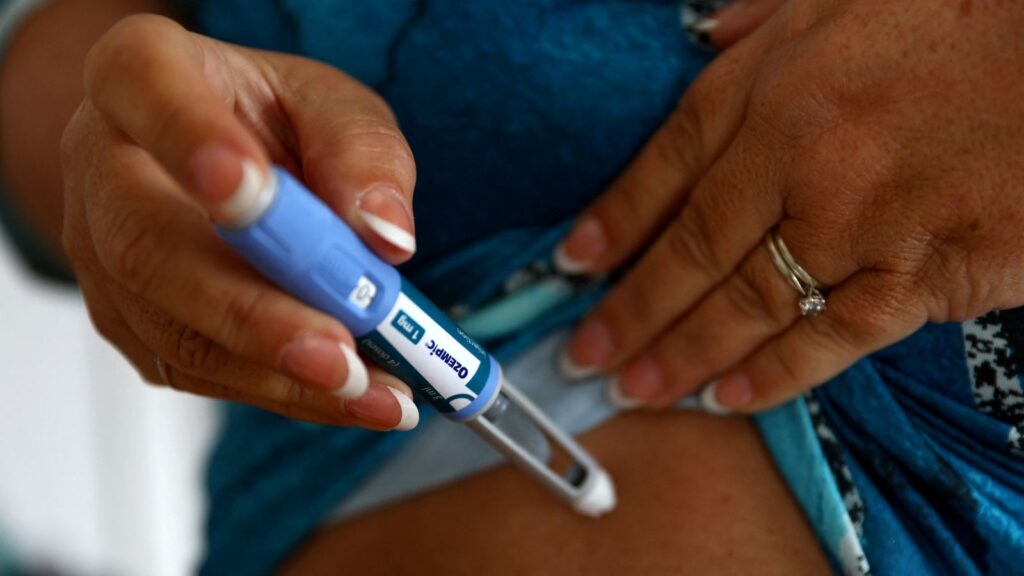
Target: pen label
[
  {"x": 407, "y": 327},
  {"x": 425, "y": 349}
]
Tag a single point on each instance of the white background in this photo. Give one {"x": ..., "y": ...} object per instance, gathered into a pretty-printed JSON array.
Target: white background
[{"x": 99, "y": 472}]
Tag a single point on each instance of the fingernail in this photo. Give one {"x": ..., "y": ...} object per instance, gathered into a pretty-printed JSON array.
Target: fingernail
[
  {"x": 641, "y": 381},
  {"x": 326, "y": 363},
  {"x": 410, "y": 414},
  {"x": 572, "y": 371},
  {"x": 590, "y": 347},
  {"x": 357, "y": 380},
  {"x": 618, "y": 399},
  {"x": 698, "y": 22},
  {"x": 709, "y": 401},
  {"x": 734, "y": 390},
  {"x": 377, "y": 407},
  {"x": 232, "y": 188},
  {"x": 583, "y": 245},
  {"x": 387, "y": 214}
]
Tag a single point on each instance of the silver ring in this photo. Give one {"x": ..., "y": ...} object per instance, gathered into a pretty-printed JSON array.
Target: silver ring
[
  {"x": 163, "y": 370},
  {"x": 812, "y": 299}
]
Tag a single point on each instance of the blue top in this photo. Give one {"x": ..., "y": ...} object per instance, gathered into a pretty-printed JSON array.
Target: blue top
[{"x": 518, "y": 113}]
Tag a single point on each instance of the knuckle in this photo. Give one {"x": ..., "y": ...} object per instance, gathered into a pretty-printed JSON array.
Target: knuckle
[
  {"x": 223, "y": 392},
  {"x": 133, "y": 251},
  {"x": 753, "y": 298},
  {"x": 844, "y": 158},
  {"x": 295, "y": 399},
  {"x": 238, "y": 318},
  {"x": 689, "y": 244},
  {"x": 367, "y": 135},
  {"x": 194, "y": 353},
  {"x": 680, "y": 140}
]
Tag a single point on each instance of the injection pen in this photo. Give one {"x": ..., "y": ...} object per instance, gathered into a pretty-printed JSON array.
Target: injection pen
[{"x": 299, "y": 244}]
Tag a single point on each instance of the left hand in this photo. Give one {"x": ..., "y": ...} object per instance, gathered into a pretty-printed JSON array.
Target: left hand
[{"x": 884, "y": 141}]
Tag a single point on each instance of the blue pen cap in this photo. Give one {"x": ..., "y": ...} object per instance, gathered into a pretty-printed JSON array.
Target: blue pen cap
[{"x": 299, "y": 244}]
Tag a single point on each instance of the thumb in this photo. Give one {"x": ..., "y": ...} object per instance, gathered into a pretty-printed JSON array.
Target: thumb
[
  {"x": 147, "y": 76},
  {"x": 352, "y": 153},
  {"x": 183, "y": 97}
]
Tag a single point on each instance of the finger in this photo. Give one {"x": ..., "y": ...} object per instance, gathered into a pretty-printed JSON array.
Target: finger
[
  {"x": 871, "y": 310},
  {"x": 196, "y": 364},
  {"x": 753, "y": 304},
  {"x": 103, "y": 313},
  {"x": 154, "y": 81},
  {"x": 651, "y": 189},
  {"x": 352, "y": 152},
  {"x": 163, "y": 97},
  {"x": 159, "y": 248},
  {"x": 729, "y": 213},
  {"x": 730, "y": 24},
  {"x": 379, "y": 409}
]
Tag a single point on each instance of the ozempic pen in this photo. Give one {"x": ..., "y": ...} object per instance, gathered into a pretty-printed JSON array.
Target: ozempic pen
[{"x": 299, "y": 244}]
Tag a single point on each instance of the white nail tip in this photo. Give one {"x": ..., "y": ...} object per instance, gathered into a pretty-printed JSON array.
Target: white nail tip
[
  {"x": 618, "y": 399},
  {"x": 392, "y": 233},
  {"x": 358, "y": 379},
  {"x": 566, "y": 265},
  {"x": 250, "y": 199},
  {"x": 704, "y": 25},
  {"x": 410, "y": 414},
  {"x": 709, "y": 400},
  {"x": 572, "y": 371}
]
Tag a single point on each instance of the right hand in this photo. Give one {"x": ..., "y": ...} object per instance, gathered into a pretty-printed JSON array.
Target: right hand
[{"x": 169, "y": 118}]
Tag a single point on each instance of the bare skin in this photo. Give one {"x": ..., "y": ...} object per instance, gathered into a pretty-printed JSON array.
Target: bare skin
[{"x": 703, "y": 498}]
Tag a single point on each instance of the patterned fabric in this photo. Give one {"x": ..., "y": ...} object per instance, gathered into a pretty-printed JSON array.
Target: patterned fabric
[{"x": 995, "y": 357}]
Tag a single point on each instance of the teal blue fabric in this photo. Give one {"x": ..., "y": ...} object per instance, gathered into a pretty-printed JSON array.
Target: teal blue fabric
[{"x": 518, "y": 113}]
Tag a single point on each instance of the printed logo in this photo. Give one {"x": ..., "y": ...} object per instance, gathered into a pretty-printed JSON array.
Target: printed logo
[
  {"x": 448, "y": 358},
  {"x": 408, "y": 327}
]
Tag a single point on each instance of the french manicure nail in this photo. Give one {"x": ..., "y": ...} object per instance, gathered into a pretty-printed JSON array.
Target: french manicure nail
[
  {"x": 620, "y": 400},
  {"x": 377, "y": 407},
  {"x": 709, "y": 401},
  {"x": 698, "y": 19},
  {"x": 410, "y": 414},
  {"x": 588, "y": 348},
  {"x": 572, "y": 371},
  {"x": 384, "y": 212},
  {"x": 734, "y": 390},
  {"x": 232, "y": 188},
  {"x": 358, "y": 380},
  {"x": 583, "y": 245},
  {"x": 325, "y": 363}
]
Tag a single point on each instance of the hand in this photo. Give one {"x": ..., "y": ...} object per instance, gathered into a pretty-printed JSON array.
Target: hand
[
  {"x": 882, "y": 140},
  {"x": 170, "y": 122}
]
